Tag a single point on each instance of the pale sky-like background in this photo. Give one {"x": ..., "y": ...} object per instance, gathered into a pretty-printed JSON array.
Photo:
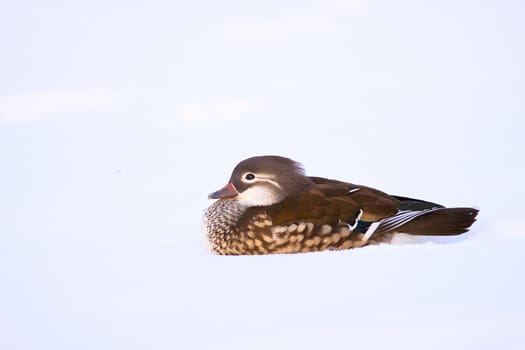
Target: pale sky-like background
[{"x": 117, "y": 118}]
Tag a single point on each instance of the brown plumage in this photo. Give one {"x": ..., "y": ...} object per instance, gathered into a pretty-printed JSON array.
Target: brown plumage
[{"x": 271, "y": 206}]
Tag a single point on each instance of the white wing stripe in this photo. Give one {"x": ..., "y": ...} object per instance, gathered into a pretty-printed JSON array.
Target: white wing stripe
[
  {"x": 390, "y": 224},
  {"x": 352, "y": 228},
  {"x": 373, "y": 227}
]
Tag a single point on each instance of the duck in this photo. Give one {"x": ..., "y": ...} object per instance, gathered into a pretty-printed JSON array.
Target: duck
[{"x": 270, "y": 206}]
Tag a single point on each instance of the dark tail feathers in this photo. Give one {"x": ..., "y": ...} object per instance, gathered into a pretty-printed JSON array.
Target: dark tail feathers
[{"x": 445, "y": 221}]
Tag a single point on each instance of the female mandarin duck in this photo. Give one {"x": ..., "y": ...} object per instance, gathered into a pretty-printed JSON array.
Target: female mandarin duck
[{"x": 270, "y": 206}]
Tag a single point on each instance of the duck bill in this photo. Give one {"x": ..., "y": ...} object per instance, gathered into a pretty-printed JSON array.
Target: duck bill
[{"x": 225, "y": 192}]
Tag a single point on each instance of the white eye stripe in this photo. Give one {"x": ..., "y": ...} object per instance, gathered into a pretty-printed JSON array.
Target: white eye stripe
[
  {"x": 259, "y": 178},
  {"x": 273, "y": 182}
]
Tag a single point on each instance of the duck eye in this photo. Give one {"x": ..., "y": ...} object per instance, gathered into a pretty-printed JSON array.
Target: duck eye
[{"x": 249, "y": 176}]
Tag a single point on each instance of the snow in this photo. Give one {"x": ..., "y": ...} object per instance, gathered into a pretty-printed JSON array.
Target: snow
[
  {"x": 111, "y": 269},
  {"x": 131, "y": 296},
  {"x": 118, "y": 119}
]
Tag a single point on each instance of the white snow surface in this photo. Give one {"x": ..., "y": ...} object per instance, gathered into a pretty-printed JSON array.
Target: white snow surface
[
  {"x": 115, "y": 270},
  {"x": 118, "y": 118}
]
